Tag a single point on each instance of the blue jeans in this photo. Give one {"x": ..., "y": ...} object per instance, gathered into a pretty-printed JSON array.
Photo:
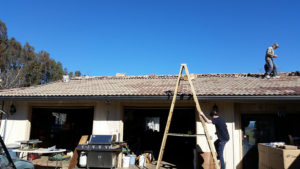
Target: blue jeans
[
  {"x": 220, "y": 145},
  {"x": 271, "y": 67}
]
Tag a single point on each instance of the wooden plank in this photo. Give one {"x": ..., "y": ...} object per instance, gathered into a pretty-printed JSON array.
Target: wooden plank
[
  {"x": 83, "y": 139},
  {"x": 119, "y": 159},
  {"x": 184, "y": 135},
  {"x": 74, "y": 159},
  {"x": 212, "y": 148},
  {"x": 163, "y": 144}
]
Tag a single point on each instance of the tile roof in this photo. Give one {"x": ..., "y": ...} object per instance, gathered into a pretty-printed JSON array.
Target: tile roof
[{"x": 158, "y": 85}]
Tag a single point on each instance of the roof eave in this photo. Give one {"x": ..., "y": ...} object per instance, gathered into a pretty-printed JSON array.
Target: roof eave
[{"x": 141, "y": 97}]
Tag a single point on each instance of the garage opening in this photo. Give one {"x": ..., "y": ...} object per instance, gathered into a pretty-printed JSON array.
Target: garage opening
[
  {"x": 62, "y": 127},
  {"x": 144, "y": 129}
]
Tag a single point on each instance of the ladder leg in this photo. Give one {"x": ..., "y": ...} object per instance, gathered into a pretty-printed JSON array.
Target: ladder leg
[
  {"x": 163, "y": 144},
  {"x": 212, "y": 148}
]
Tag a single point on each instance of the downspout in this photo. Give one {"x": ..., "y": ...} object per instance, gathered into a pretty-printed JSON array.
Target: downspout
[{"x": 2, "y": 112}]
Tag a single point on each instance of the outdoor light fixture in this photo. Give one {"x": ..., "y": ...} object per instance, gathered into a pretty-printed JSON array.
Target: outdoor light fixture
[
  {"x": 12, "y": 109},
  {"x": 107, "y": 101}
]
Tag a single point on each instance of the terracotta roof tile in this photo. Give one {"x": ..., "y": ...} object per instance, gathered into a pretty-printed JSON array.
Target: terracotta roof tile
[{"x": 157, "y": 85}]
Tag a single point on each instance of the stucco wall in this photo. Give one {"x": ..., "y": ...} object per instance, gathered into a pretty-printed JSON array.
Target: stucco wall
[
  {"x": 107, "y": 118},
  {"x": 17, "y": 125}
]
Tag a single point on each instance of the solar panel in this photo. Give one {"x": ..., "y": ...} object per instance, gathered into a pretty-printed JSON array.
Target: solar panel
[{"x": 102, "y": 139}]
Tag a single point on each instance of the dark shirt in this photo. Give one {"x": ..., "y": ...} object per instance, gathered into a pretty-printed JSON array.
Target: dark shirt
[{"x": 221, "y": 128}]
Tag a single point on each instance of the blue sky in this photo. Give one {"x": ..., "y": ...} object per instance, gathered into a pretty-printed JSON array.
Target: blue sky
[{"x": 104, "y": 37}]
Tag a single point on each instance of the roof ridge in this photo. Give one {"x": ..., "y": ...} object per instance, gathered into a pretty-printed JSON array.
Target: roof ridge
[{"x": 152, "y": 76}]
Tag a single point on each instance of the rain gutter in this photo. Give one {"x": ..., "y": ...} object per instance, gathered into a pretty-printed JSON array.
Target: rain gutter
[{"x": 186, "y": 97}]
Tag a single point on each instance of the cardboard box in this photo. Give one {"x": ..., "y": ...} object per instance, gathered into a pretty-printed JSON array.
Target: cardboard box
[
  {"x": 263, "y": 156},
  {"x": 290, "y": 147},
  {"x": 277, "y": 158}
]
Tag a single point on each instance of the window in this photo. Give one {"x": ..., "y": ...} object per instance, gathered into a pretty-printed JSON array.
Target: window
[
  {"x": 152, "y": 123},
  {"x": 60, "y": 118}
]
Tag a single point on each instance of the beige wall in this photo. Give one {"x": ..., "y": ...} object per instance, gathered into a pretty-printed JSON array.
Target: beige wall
[
  {"x": 17, "y": 124},
  {"x": 107, "y": 118}
]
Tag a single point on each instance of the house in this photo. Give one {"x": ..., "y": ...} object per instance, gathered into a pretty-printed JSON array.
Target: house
[{"x": 136, "y": 108}]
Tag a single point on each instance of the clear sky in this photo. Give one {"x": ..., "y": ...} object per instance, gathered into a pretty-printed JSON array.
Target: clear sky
[{"x": 140, "y": 37}]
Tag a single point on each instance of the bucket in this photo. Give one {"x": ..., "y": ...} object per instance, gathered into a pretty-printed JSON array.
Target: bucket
[
  {"x": 126, "y": 160},
  {"x": 142, "y": 161},
  {"x": 82, "y": 159},
  {"x": 132, "y": 159}
]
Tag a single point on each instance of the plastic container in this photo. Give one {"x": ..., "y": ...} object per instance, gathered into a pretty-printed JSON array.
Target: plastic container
[
  {"x": 126, "y": 161},
  {"x": 132, "y": 159},
  {"x": 82, "y": 159},
  {"x": 142, "y": 161},
  {"x": 70, "y": 154}
]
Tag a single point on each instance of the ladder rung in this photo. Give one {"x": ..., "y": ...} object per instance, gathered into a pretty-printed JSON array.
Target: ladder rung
[{"x": 184, "y": 135}]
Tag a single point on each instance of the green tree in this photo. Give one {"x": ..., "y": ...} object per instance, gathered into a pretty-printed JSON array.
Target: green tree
[
  {"x": 12, "y": 72},
  {"x": 58, "y": 71},
  {"x": 3, "y": 46},
  {"x": 3, "y": 32},
  {"x": 30, "y": 65},
  {"x": 22, "y": 66},
  {"x": 70, "y": 74},
  {"x": 77, "y": 73}
]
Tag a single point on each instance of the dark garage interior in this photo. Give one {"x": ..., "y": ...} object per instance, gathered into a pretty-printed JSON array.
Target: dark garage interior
[
  {"x": 265, "y": 128},
  {"x": 144, "y": 129},
  {"x": 62, "y": 126}
]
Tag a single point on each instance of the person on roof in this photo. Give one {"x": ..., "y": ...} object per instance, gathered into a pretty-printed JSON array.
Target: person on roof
[
  {"x": 270, "y": 64},
  {"x": 221, "y": 131}
]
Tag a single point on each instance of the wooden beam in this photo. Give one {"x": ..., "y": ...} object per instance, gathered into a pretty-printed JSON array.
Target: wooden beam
[
  {"x": 212, "y": 148},
  {"x": 163, "y": 144},
  {"x": 184, "y": 135},
  {"x": 74, "y": 159}
]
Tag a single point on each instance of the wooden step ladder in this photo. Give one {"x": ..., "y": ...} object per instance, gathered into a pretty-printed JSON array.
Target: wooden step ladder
[{"x": 166, "y": 133}]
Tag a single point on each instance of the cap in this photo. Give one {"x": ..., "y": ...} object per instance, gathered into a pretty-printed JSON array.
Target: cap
[{"x": 276, "y": 44}]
